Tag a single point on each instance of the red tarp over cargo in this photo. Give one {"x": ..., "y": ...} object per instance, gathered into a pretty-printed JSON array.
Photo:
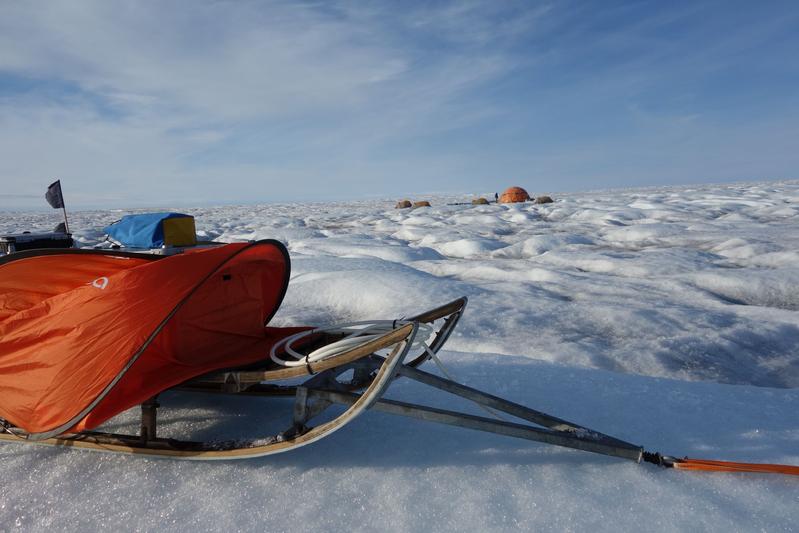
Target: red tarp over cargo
[{"x": 86, "y": 334}]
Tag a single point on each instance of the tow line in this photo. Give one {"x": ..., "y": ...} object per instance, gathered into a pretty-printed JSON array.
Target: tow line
[{"x": 709, "y": 465}]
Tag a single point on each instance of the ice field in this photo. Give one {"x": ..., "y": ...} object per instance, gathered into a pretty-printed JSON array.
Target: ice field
[{"x": 668, "y": 317}]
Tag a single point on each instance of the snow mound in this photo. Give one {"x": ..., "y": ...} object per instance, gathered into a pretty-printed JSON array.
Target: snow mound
[
  {"x": 538, "y": 245},
  {"x": 767, "y": 288},
  {"x": 326, "y": 290},
  {"x": 469, "y": 247}
]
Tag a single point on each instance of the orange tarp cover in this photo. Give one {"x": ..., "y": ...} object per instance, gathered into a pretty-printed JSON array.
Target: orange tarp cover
[
  {"x": 85, "y": 335},
  {"x": 514, "y": 195}
]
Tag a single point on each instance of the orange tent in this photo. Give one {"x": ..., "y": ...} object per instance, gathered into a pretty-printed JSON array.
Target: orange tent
[
  {"x": 513, "y": 195},
  {"x": 86, "y": 334}
]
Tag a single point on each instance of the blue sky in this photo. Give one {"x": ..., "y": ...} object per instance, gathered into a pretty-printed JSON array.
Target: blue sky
[{"x": 210, "y": 102}]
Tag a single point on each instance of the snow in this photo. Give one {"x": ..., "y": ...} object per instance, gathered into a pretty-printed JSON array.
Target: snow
[{"x": 668, "y": 317}]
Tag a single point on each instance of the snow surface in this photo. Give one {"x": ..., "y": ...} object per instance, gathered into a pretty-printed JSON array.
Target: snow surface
[{"x": 667, "y": 317}]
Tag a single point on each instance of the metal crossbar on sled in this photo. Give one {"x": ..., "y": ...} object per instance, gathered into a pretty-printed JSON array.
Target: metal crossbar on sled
[{"x": 88, "y": 334}]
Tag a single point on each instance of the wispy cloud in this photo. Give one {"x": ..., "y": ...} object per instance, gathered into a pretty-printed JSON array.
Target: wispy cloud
[
  {"x": 270, "y": 99},
  {"x": 155, "y": 84}
]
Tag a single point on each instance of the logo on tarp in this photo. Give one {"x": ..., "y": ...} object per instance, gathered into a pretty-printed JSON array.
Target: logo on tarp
[{"x": 100, "y": 283}]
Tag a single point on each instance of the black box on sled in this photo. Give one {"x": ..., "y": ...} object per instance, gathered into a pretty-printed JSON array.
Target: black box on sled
[{"x": 29, "y": 241}]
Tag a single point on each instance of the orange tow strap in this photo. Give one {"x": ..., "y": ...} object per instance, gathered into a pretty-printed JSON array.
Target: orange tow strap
[{"x": 724, "y": 466}]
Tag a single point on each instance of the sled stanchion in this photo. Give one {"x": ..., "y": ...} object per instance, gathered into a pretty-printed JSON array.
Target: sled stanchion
[
  {"x": 306, "y": 407},
  {"x": 451, "y": 313},
  {"x": 301, "y": 407},
  {"x": 149, "y": 419}
]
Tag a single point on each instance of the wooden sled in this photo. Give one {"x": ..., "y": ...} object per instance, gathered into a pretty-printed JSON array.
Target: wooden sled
[
  {"x": 369, "y": 386},
  {"x": 349, "y": 365},
  {"x": 371, "y": 374}
]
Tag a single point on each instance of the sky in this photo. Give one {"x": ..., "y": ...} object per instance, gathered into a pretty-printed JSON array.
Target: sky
[{"x": 201, "y": 102}]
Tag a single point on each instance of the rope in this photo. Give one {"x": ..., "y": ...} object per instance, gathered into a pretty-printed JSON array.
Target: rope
[
  {"x": 726, "y": 466},
  {"x": 708, "y": 465}
]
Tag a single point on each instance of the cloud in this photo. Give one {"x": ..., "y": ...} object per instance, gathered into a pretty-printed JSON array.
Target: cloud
[
  {"x": 224, "y": 60},
  {"x": 141, "y": 92},
  {"x": 230, "y": 101}
]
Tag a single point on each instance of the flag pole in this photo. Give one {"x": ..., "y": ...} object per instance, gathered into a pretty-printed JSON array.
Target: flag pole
[{"x": 66, "y": 223}]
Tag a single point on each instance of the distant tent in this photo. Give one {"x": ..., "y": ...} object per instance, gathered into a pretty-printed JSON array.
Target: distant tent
[
  {"x": 403, "y": 204},
  {"x": 513, "y": 195},
  {"x": 154, "y": 230},
  {"x": 421, "y": 203},
  {"x": 480, "y": 201}
]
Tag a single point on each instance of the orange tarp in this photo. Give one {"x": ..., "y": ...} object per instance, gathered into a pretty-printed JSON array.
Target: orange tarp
[
  {"x": 513, "y": 195},
  {"x": 84, "y": 336}
]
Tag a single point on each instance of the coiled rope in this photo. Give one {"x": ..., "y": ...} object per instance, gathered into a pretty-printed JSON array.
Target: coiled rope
[{"x": 355, "y": 334}]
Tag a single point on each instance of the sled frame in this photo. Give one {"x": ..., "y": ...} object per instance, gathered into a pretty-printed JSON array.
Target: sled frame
[
  {"x": 297, "y": 435},
  {"x": 372, "y": 375},
  {"x": 372, "y": 383}
]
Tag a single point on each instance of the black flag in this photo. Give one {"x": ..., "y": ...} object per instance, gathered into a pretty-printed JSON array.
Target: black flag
[{"x": 54, "y": 196}]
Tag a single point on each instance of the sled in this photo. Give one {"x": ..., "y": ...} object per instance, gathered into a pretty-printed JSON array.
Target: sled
[
  {"x": 371, "y": 377},
  {"x": 88, "y": 334},
  {"x": 85, "y": 335}
]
